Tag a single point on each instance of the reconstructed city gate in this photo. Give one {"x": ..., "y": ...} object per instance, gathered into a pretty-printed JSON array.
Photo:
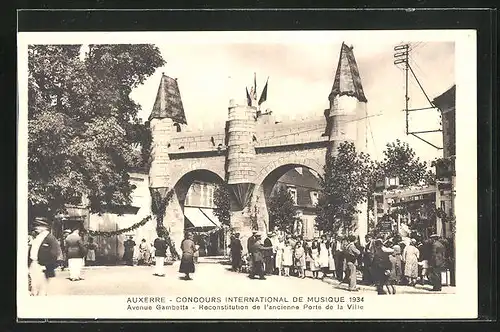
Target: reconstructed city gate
[{"x": 253, "y": 151}]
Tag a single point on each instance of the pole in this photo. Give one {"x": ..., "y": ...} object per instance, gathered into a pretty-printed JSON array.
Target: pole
[{"x": 406, "y": 88}]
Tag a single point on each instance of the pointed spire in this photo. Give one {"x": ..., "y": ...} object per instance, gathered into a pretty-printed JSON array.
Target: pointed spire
[
  {"x": 347, "y": 80},
  {"x": 168, "y": 103}
]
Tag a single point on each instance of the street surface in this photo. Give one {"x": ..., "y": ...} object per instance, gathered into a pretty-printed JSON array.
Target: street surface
[{"x": 210, "y": 279}]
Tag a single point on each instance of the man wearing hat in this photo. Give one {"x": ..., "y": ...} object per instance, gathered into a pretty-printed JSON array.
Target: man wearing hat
[
  {"x": 250, "y": 242},
  {"x": 268, "y": 255},
  {"x": 437, "y": 262},
  {"x": 43, "y": 255},
  {"x": 236, "y": 249},
  {"x": 64, "y": 263},
  {"x": 258, "y": 257}
]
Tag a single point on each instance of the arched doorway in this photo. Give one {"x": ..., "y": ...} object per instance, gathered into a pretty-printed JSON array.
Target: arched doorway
[
  {"x": 195, "y": 192},
  {"x": 303, "y": 185}
]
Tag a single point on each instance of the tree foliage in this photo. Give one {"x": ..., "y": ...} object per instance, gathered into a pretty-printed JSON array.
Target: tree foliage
[
  {"x": 82, "y": 123},
  {"x": 282, "y": 210},
  {"x": 401, "y": 161},
  {"x": 343, "y": 186},
  {"x": 222, "y": 202}
]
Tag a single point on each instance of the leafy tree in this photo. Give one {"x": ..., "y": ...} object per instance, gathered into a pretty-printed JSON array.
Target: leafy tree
[
  {"x": 222, "y": 202},
  {"x": 401, "y": 161},
  {"x": 282, "y": 210},
  {"x": 344, "y": 186},
  {"x": 82, "y": 123}
]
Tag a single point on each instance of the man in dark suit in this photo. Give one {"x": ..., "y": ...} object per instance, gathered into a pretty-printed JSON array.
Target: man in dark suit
[
  {"x": 437, "y": 262},
  {"x": 160, "y": 245},
  {"x": 258, "y": 258},
  {"x": 43, "y": 254},
  {"x": 236, "y": 249},
  {"x": 268, "y": 256},
  {"x": 250, "y": 242}
]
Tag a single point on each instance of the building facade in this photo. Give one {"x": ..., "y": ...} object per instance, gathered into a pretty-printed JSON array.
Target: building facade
[
  {"x": 303, "y": 186},
  {"x": 252, "y": 151}
]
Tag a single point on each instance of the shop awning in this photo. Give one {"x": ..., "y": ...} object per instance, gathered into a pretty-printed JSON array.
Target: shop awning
[
  {"x": 213, "y": 218},
  {"x": 197, "y": 217}
]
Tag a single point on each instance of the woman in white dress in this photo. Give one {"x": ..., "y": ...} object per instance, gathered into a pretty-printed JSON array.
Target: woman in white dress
[
  {"x": 314, "y": 259},
  {"x": 287, "y": 258},
  {"x": 323, "y": 257},
  {"x": 278, "y": 261}
]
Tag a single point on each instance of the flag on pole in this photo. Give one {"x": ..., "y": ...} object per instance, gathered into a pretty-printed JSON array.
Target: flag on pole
[
  {"x": 263, "y": 96},
  {"x": 254, "y": 86},
  {"x": 249, "y": 99}
]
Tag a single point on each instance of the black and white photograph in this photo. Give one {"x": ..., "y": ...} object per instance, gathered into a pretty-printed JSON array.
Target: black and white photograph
[{"x": 285, "y": 174}]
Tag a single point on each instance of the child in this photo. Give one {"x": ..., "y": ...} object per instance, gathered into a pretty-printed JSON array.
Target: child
[{"x": 287, "y": 258}]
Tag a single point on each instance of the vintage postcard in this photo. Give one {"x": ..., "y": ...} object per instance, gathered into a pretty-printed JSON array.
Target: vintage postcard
[{"x": 247, "y": 175}]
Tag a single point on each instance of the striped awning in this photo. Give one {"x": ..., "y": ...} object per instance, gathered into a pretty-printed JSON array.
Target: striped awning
[
  {"x": 210, "y": 215},
  {"x": 197, "y": 218}
]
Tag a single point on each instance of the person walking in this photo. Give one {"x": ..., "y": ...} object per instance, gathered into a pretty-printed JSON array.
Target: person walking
[
  {"x": 187, "y": 260},
  {"x": 160, "y": 245},
  {"x": 75, "y": 251},
  {"x": 351, "y": 254},
  {"x": 42, "y": 258},
  {"x": 437, "y": 262},
  {"x": 396, "y": 269},
  {"x": 410, "y": 257},
  {"x": 236, "y": 249},
  {"x": 381, "y": 266},
  {"x": 91, "y": 250},
  {"x": 64, "y": 262},
  {"x": 128, "y": 254}
]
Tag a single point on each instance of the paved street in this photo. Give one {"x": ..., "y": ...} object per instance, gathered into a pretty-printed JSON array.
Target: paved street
[{"x": 210, "y": 279}]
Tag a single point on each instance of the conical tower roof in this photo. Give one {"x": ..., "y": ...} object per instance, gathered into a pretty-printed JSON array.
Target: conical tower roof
[
  {"x": 347, "y": 81},
  {"x": 168, "y": 103}
]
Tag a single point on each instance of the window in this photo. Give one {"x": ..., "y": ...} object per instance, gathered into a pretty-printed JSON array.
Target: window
[
  {"x": 293, "y": 192},
  {"x": 210, "y": 196},
  {"x": 314, "y": 198}
]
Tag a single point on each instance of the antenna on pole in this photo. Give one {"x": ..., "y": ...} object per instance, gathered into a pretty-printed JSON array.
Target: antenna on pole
[{"x": 401, "y": 55}]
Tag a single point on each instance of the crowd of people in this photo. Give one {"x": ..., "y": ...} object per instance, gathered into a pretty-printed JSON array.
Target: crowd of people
[
  {"x": 46, "y": 254},
  {"x": 383, "y": 262}
]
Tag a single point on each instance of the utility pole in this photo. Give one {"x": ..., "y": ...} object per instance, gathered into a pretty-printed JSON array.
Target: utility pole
[{"x": 401, "y": 56}]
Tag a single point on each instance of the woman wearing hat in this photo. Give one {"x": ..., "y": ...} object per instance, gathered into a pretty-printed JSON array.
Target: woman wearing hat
[
  {"x": 187, "y": 261},
  {"x": 410, "y": 257}
]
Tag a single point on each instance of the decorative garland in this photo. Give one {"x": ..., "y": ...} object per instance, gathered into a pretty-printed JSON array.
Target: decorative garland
[{"x": 121, "y": 231}]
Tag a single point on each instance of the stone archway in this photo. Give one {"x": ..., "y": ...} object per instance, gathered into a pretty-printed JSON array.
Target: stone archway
[
  {"x": 267, "y": 180},
  {"x": 181, "y": 210}
]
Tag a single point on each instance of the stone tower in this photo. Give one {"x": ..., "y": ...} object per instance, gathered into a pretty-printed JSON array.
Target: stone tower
[
  {"x": 347, "y": 115},
  {"x": 167, "y": 118},
  {"x": 240, "y": 159}
]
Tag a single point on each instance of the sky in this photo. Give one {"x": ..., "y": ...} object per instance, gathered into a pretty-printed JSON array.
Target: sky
[{"x": 301, "y": 75}]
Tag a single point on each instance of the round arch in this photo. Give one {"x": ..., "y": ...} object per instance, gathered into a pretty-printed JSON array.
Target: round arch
[
  {"x": 184, "y": 182},
  {"x": 285, "y": 164}
]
